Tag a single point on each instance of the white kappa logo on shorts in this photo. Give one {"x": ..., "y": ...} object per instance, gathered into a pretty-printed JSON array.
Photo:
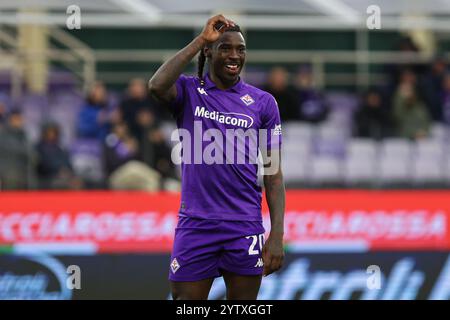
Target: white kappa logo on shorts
[
  {"x": 260, "y": 263},
  {"x": 174, "y": 265}
]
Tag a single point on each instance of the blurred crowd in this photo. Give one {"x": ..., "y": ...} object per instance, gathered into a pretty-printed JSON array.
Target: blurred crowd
[
  {"x": 412, "y": 99},
  {"x": 136, "y": 154}
]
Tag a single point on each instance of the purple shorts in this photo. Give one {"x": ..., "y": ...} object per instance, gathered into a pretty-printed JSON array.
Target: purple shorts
[{"x": 204, "y": 248}]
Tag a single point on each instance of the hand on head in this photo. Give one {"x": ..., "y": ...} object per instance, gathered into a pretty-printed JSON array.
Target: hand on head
[{"x": 215, "y": 27}]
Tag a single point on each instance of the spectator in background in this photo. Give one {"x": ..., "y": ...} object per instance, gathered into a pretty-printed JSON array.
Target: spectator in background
[
  {"x": 311, "y": 105},
  {"x": 120, "y": 147},
  {"x": 445, "y": 99},
  {"x": 372, "y": 119},
  {"x": 137, "y": 99},
  {"x": 155, "y": 151},
  {"x": 14, "y": 153},
  {"x": 278, "y": 86},
  {"x": 122, "y": 163},
  {"x": 405, "y": 45},
  {"x": 410, "y": 113},
  {"x": 3, "y": 112},
  {"x": 94, "y": 120},
  {"x": 146, "y": 122},
  {"x": 433, "y": 83},
  {"x": 53, "y": 167}
]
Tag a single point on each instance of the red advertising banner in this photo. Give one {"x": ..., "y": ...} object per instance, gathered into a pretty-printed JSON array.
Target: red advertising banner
[
  {"x": 358, "y": 220},
  {"x": 316, "y": 221}
]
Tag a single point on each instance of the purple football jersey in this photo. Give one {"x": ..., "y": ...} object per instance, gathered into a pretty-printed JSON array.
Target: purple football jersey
[{"x": 226, "y": 188}]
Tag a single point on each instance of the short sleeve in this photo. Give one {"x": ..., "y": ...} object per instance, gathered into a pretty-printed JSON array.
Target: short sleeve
[
  {"x": 177, "y": 104},
  {"x": 272, "y": 123}
]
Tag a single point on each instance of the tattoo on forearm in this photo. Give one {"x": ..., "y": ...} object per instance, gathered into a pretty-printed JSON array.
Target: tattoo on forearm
[{"x": 166, "y": 76}]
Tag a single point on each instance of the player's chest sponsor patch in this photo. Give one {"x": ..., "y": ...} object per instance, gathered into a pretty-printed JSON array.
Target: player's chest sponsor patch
[{"x": 230, "y": 118}]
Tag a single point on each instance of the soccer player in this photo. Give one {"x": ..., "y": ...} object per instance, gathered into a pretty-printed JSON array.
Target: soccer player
[{"x": 220, "y": 230}]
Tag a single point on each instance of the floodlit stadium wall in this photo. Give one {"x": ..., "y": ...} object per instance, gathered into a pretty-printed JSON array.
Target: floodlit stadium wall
[{"x": 121, "y": 242}]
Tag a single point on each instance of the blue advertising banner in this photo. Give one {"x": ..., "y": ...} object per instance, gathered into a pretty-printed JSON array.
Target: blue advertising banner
[{"x": 312, "y": 276}]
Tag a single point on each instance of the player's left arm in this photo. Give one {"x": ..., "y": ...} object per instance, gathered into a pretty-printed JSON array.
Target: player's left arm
[{"x": 273, "y": 252}]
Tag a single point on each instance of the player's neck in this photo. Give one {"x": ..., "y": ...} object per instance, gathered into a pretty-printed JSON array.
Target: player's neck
[{"x": 222, "y": 85}]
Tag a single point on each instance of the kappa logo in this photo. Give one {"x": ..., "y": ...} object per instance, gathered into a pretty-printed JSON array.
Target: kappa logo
[
  {"x": 174, "y": 265},
  {"x": 277, "y": 130},
  {"x": 202, "y": 91},
  {"x": 260, "y": 263},
  {"x": 247, "y": 99}
]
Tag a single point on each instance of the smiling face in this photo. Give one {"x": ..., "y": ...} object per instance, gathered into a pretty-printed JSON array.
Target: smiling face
[{"x": 227, "y": 57}]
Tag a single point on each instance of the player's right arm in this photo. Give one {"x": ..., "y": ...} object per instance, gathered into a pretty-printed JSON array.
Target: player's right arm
[{"x": 162, "y": 85}]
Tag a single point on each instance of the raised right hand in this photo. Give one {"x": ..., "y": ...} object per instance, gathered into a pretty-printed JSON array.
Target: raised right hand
[{"x": 211, "y": 34}]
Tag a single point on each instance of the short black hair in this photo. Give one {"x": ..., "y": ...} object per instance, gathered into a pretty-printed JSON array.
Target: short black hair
[{"x": 202, "y": 58}]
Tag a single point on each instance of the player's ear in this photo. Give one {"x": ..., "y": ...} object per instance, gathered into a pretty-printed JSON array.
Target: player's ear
[{"x": 207, "y": 51}]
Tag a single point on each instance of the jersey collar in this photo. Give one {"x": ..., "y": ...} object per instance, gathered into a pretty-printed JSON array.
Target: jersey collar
[{"x": 236, "y": 88}]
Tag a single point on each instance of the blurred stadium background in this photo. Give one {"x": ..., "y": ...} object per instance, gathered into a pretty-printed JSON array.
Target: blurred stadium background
[{"x": 85, "y": 172}]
